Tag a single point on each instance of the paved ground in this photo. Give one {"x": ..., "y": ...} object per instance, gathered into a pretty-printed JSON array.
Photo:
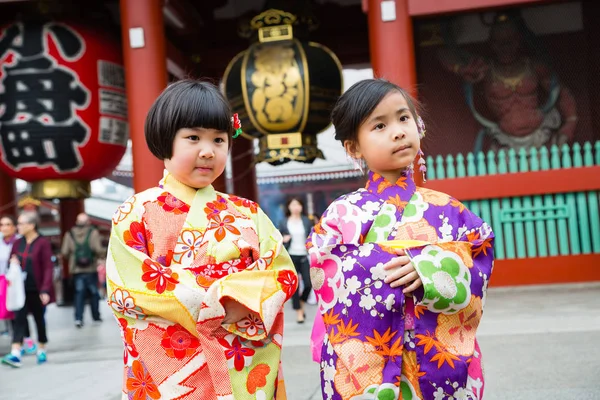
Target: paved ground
[{"x": 537, "y": 343}]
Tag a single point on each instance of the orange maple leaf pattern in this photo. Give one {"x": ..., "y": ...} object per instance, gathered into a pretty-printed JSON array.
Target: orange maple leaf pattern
[
  {"x": 395, "y": 350},
  {"x": 376, "y": 177},
  {"x": 428, "y": 341},
  {"x": 345, "y": 332},
  {"x": 482, "y": 248},
  {"x": 402, "y": 182},
  {"x": 442, "y": 356},
  {"x": 455, "y": 203},
  {"x": 381, "y": 344},
  {"x": 381, "y": 341},
  {"x": 382, "y": 186},
  {"x": 472, "y": 236},
  {"x": 330, "y": 319},
  {"x": 419, "y": 310},
  {"x": 397, "y": 201}
]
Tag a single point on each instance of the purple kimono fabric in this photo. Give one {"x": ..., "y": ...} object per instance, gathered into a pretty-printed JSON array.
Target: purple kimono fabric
[{"x": 366, "y": 353}]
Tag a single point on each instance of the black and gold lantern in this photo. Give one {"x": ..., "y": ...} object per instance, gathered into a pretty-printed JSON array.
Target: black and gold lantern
[{"x": 283, "y": 88}]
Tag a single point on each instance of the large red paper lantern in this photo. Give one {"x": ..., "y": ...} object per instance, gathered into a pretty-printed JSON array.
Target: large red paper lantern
[{"x": 63, "y": 109}]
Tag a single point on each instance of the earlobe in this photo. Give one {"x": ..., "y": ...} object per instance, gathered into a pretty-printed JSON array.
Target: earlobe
[{"x": 352, "y": 149}]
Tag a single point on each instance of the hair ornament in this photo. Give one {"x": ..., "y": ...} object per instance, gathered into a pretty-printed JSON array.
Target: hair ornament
[
  {"x": 422, "y": 164},
  {"x": 421, "y": 127},
  {"x": 237, "y": 125}
]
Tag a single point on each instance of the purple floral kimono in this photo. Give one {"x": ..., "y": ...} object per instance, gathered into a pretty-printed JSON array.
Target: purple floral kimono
[{"x": 379, "y": 343}]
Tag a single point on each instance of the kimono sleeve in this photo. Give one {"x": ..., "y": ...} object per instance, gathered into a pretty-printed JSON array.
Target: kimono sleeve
[
  {"x": 139, "y": 286},
  {"x": 454, "y": 271},
  {"x": 262, "y": 288},
  {"x": 353, "y": 299}
]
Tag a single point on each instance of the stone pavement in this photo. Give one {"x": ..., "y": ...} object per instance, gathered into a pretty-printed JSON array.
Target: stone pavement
[{"x": 538, "y": 342}]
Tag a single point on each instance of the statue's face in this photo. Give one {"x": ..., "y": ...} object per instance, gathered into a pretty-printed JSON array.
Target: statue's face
[{"x": 506, "y": 42}]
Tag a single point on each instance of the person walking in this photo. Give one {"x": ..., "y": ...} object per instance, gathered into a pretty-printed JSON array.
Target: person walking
[
  {"x": 33, "y": 252},
  {"x": 82, "y": 247},
  {"x": 295, "y": 229},
  {"x": 8, "y": 229}
]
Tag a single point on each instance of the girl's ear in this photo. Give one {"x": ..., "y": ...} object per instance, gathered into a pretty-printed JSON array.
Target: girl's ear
[{"x": 352, "y": 149}]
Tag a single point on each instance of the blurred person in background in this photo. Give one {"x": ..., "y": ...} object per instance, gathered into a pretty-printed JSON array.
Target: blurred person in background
[
  {"x": 82, "y": 246},
  {"x": 34, "y": 254},
  {"x": 295, "y": 229},
  {"x": 8, "y": 229}
]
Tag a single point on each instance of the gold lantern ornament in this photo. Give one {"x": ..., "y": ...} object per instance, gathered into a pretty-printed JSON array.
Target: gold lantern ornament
[{"x": 283, "y": 87}]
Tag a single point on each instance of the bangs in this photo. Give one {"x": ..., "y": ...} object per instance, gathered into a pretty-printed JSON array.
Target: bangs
[
  {"x": 354, "y": 106},
  {"x": 373, "y": 95},
  {"x": 203, "y": 110},
  {"x": 186, "y": 104}
]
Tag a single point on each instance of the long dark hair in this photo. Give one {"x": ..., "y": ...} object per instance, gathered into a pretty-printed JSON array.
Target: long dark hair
[{"x": 289, "y": 201}]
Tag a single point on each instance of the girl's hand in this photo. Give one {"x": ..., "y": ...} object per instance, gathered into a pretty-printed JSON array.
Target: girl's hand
[
  {"x": 15, "y": 259},
  {"x": 234, "y": 311},
  {"x": 401, "y": 272},
  {"x": 286, "y": 238}
]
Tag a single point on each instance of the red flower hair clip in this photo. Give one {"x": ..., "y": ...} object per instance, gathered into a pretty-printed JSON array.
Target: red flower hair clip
[{"x": 237, "y": 125}]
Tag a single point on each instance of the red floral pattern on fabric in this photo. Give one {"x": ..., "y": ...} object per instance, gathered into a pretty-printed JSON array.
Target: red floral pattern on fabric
[
  {"x": 127, "y": 336},
  {"x": 178, "y": 342},
  {"x": 172, "y": 204},
  {"x": 221, "y": 226},
  {"x": 236, "y": 352},
  {"x": 157, "y": 277},
  {"x": 207, "y": 274},
  {"x": 288, "y": 281},
  {"x": 241, "y": 202},
  {"x": 252, "y": 325},
  {"x": 215, "y": 207},
  {"x": 140, "y": 384},
  {"x": 135, "y": 237}
]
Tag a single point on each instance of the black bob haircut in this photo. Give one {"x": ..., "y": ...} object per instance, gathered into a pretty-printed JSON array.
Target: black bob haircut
[
  {"x": 183, "y": 104},
  {"x": 358, "y": 102}
]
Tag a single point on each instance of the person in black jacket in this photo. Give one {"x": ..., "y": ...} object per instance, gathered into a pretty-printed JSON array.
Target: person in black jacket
[{"x": 295, "y": 228}]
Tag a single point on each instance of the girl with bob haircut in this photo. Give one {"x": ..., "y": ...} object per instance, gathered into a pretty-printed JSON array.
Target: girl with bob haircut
[
  {"x": 197, "y": 279},
  {"x": 400, "y": 271}
]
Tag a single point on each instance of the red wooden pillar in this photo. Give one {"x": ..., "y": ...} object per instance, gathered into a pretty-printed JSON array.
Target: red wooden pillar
[
  {"x": 243, "y": 171},
  {"x": 8, "y": 195},
  {"x": 391, "y": 43},
  {"x": 144, "y": 53},
  {"x": 392, "y": 47}
]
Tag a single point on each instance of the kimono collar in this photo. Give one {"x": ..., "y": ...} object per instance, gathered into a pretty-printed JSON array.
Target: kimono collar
[
  {"x": 180, "y": 190},
  {"x": 398, "y": 193}
]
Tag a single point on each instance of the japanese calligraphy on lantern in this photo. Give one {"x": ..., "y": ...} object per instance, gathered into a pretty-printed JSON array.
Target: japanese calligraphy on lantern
[
  {"x": 62, "y": 98},
  {"x": 38, "y": 125}
]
